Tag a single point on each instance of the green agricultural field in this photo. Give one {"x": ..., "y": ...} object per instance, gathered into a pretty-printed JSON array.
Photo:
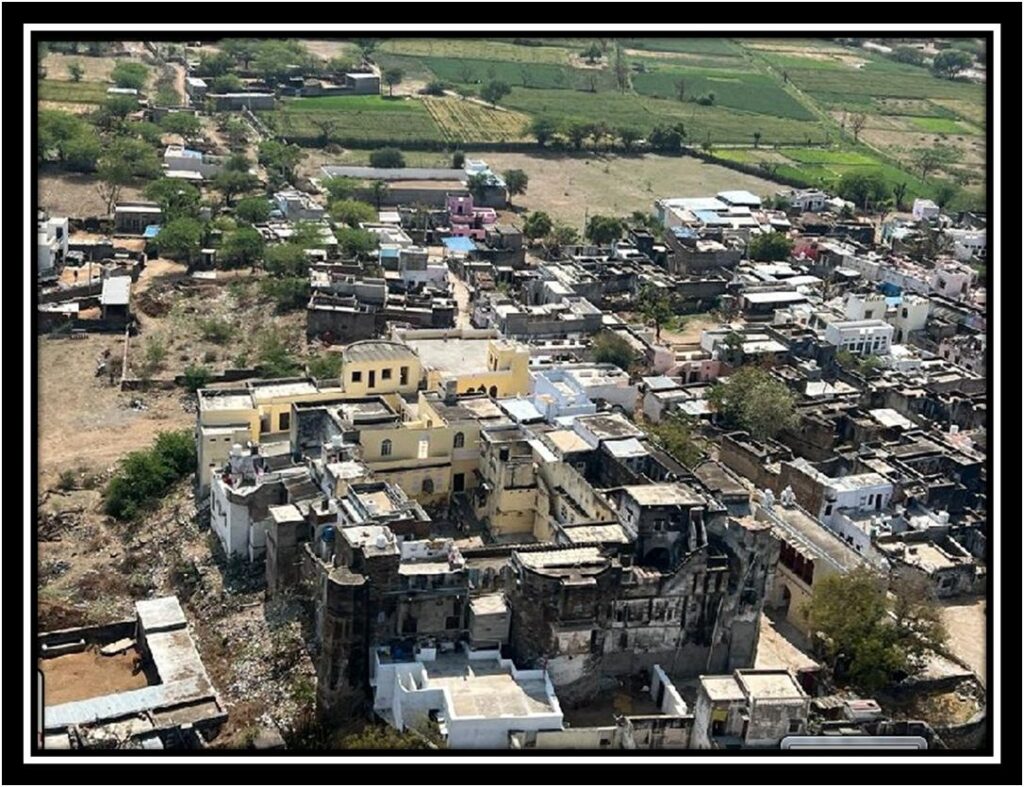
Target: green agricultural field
[
  {"x": 882, "y": 79},
  {"x": 476, "y": 49},
  {"x": 941, "y": 125},
  {"x": 370, "y": 119},
  {"x": 698, "y": 46},
  {"x": 736, "y": 89},
  {"x": 73, "y": 92},
  {"x": 465, "y": 71}
]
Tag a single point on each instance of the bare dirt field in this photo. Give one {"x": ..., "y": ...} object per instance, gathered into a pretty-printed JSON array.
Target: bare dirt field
[
  {"x": 569, "y": 187},
  {"x": 328, "y": 49},
  {"x": 81, "y": 676},
  {"x": 965, "y": 622},
  {"x": 75, "y": 196},
  {"x": 95, "y": 69}
]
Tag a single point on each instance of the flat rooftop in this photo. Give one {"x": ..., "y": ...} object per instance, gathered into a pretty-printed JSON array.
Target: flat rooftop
[
  {"x": 771, "y": 685},
  {"x": 377, "y": 350},
  {"x": 456, "y": 355},
  {"x": 485, "y": 688},
  {"x": 262, "y": 393},
  {"x": 813, "y": 535},
  {"x": 722, "y": 688},
  {"x": 663, "y": 495}
]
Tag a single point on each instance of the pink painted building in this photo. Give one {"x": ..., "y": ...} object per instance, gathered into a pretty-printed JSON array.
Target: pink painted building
[{"x": 466, "y": 220}]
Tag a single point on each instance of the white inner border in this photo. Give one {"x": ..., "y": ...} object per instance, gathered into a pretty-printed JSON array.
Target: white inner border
[{"x": 994, "y": 708}]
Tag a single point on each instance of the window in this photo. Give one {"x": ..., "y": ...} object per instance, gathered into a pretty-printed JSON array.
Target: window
[
  {"x": 357, "y": 377},
  {"x": 385, "y": 374},
  {"x": 794, "y": 726},
  {"x": 428, "y": 486},
  {"x": 385, "y": 448},
  {"x": 828, "y": 509},
  {"x": 460, "y": 440},
  {"x": 403, "y": 375},
  {"x": 424, "y": 449},
  {"x": 284, "y": 421}
]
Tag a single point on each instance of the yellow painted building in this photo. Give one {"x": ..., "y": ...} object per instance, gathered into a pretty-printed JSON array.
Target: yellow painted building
[
  {"x": 470, "y": 361},
  {"x": 380, "y": 366}
]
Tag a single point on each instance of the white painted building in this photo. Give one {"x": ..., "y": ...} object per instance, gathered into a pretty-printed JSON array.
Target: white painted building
[
  {"x": 477, "y": 697},
  {"x": 911, "y": 314},
  {"x": 296, "y": 205},
  {"x": 51, "y": 243},
  {"x": 179, "y": 159},
  {"x": 925, "y": 209},
  {"x": 861, "y": 337},
  {"x": 807, "y": 200},
  {"x": 969, "y": 244}
]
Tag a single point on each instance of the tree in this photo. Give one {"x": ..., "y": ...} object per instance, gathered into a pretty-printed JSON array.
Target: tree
[
  {"x": 909, "y": 54},
  {"x": 392, "y": 77},
  {"x": 183, "y": 123},
  {"x": 477, "y": 185},
  {"x": 197, "y": 376},
  {"x": 757, "y": 138},
  {"x": 226, "y": 83},
  {"x": 603, "y": 230},
  {"x": 629, "y": 136},
  {"x": 274, "y": 359},
  {"x": 770, "y": 247},
  {"x": 116, "y": 108},
  {"x": 656, "y": 308},
  {"x": 946, "y": 193},
  {"x": 675, "y": 434},
  {"x": 609, "y": 347},
  {"x": 338, "y": 66},
  {"x": 867, "y": 638},
  {"x": 621, "y": 69},
  {"x": 281, "y": 160},
  {"x": 144, "y": 477},
  {"x": 326, "y": 125},
  {"x": 289, "y": 293},
  {"x": 577, "y": 131},
  {"x": 537, "y": 225},
  {"x": 180, "y": 239},
  {"x": 387, "y": 158},
  {"x": 130, "y": 75},
  {"x": 862, "y": 188},
  {"x": 354, "y": 242},
  {"x": 681, "y": 89},
  {"x": 516, "y": 182},
  {"x": 112, "y": 175},
  {"x": 950, "y": 62},
  {"x": 240, "y": 248},
  {"x": 231, "y": 182},
  {"x": 666, "y": 139},
  {"x": 76, "y": 71},
  {"x": 935, "y": 157},
  {"x": 857, "y": 121},
  {"x": 340, "y": 188},
  {"x": 285, "y": 260},
  {"x": 562, "y": 235},
  {"x": 380, "y": 190},
  {"x": 592, "y": 53},
  {"x": 82, "y": 153},
  {"x": 753, "y": 400},
  {"x": 242, "y": 50},
  {"x": 494, "y": 91},
  {"x": 215, "y": 64},
  {"x": 352, "y": 212},
  {"x": 899, "y": 193},
  {"x": 324, "y": 366},
  {"x": 458, "y": 159},
  {"x": 253, "y": 210},
  {"x": 177, "y": 198},
  {"x": 542, "y": 130}
]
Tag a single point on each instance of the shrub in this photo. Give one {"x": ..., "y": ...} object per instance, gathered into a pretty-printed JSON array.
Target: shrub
[
  {"x": 144, "y": 477},
  {"x": 289, "y": 293},
  {"x": 197, "y": 377},
  {"x": 216, "y": 330},
  {"x": 387, "y": 158}
]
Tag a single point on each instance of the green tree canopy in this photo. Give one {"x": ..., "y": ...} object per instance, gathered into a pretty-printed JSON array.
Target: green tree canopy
[
  {"x": 242, "y": 247},
  {"x": 655, "y": 306},
  {"x": 254, "y": 210},
  {"x": 751, "y": 399},
  {"x": 771, "y": 247},
  {"x": 130, "y": 75},
  {"x": 675, "y": 433},
  {"x": 543, "y": 129},
  {"x": 494, "y": 91},
  {"x": 340, "y": 188},
  {"x": 183, "y": 123},
  {"x": 867, "y": 638},
  {"x": 516, "y": 181},
  {"x": 180, "y": 239},
  {"x": 177, "y": 198},
  {"x": 226, "y": 83},
  {"x": 537, "y": 225},
  {"x": 352, "y": 212},
  {"x": 862, "y": 188},
  {"x": 392, "y": 77},
  {"x": 603, "y": 230},
  {"x": 950, "y": 62},
  {"x": 609, "y": 347},
  {"x": 387, "y": 158}
]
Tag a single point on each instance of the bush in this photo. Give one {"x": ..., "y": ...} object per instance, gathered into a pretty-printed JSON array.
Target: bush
[
  {"x": 275, "y": 360},
  {"x": 612, "y": 348},
  {"x": 66, "y": 481},
  {"x": 253, "y": 210},
  {"x": 144, "y": 477},
  {"x": 325, "y": 365},
  {"x": 289, "y": 293},
  {"x": 387, "y": 158},
  {"x": 130, "y": 75},
  {"x": 216, "y": 330},
  {"x": 197, "y": 377}
]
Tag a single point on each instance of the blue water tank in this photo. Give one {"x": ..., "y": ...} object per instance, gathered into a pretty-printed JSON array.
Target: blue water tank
[{"x": 328, "y": 535}]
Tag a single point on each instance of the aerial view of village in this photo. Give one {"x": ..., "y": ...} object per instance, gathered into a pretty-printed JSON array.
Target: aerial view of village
[{"x": 575, "y": 393}]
